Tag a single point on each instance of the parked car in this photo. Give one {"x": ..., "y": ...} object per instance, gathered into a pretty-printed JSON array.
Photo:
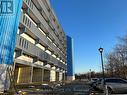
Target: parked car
[
  {"x": 94, "y": 79},
  {"x": 114, "y": 85},
  {"x": 94, "y": 82}
]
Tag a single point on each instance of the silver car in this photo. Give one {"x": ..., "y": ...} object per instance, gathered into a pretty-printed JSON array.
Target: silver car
[{"x": 114, "y": 85}]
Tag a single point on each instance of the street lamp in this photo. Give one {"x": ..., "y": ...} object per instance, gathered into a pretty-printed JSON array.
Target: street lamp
[
  {"x": 104, "y": 85},
  {"x": 101, "y": 52}
]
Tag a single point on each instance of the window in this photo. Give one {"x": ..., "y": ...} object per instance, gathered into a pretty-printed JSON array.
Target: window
[
  {"x": 24, "y": 44},
  {"x": 23, "y": 18},
  {"x": 30, "y": 24},
  {"x": 20, "y": 41},
  {"x": 32, "y": 6},
  {"x": 27, "y": 46},
  {"x": 115, "y": 81},
  {"x": 28, "y": 2},
  {"x": 26, "y": 20}
]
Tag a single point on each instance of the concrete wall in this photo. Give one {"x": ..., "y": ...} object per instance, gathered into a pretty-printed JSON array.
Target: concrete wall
[{"x": 52, "y": 75}]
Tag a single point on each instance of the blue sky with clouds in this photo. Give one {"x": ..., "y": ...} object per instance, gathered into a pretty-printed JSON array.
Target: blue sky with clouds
[{"x": 91, "y": 23}]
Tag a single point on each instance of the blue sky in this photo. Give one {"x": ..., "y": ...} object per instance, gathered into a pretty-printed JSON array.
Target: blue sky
[{"x": 91, "y": 23}]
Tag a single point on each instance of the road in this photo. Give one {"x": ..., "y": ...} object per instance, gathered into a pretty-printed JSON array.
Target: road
[
  {"x": 72, "y": 88},
  {"x": 75, "y": 88}
]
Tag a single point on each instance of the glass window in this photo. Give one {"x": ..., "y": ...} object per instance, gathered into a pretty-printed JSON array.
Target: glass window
[
  {"x": 115, "y": 81},
  {"x": 24, "y": 44},
  {"x": 27, "y": 46},
  {"x": 28, "y": 2},
  {"x": 23, "y": 18},
  {"x": 28, "y": 23},
  {"x": 20, "y": 41},
  {"x": 26, "y": 20}
]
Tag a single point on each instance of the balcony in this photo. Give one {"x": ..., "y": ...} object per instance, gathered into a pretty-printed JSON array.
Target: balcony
[
  {"x": 36, "y": 52},
  {"x": 38, "y": 18},
  {"x": 33, "y": 31}
]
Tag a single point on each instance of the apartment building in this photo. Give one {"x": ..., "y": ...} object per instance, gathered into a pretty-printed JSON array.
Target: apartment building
[{"x": 40, "y": 52}]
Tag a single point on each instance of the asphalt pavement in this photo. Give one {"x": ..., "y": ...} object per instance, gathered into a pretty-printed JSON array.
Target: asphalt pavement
[{"x": 71, "y": 88}]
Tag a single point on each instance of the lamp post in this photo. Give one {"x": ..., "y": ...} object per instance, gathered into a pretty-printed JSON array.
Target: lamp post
[
  {"x": 101, "y": 52},
  {"x": 105, "y": 87}
]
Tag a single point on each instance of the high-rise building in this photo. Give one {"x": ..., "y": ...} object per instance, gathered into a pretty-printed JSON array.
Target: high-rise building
[
  {"x": 70, "y": 60},
  {"x": 40, "y": 53}
]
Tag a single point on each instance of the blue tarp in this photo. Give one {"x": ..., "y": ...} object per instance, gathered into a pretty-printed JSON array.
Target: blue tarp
[{"x": 9, "y": 20}]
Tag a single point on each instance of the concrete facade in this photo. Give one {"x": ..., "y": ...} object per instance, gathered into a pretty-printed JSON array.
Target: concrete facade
[{"x": 40, "y": 53}]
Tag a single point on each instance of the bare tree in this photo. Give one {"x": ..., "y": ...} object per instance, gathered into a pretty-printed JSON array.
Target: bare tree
[{"x": 117, "y": 60}]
